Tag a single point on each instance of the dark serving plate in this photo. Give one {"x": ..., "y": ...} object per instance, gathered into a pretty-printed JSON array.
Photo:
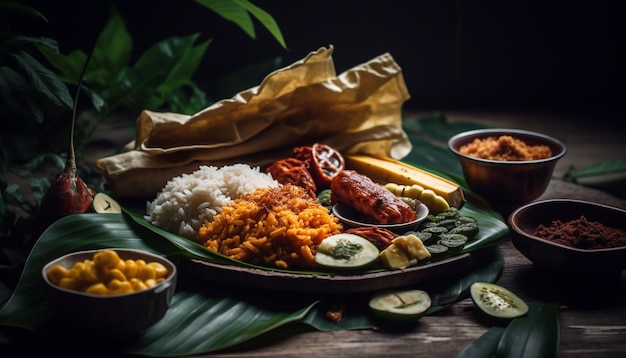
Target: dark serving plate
[{"x": 553, "y": 256}]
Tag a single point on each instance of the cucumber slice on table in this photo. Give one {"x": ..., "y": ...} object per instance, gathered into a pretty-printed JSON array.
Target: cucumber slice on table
[{"x": 400, "y": 305}]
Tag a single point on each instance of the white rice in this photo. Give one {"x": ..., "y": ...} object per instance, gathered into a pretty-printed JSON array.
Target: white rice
[{"x": 188, "y": 200}]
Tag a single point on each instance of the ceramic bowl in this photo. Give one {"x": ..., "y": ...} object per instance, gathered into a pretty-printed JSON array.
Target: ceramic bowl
[
  {"x": 119, "y": 315},
  {"x": 353, "y": 218},
  {"x": 509, "y": 183},
  {"x": 561, "y": 258}
]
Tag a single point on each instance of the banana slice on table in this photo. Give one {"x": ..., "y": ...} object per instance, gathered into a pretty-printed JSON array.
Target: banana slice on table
[{"x": 104, "y": 204}]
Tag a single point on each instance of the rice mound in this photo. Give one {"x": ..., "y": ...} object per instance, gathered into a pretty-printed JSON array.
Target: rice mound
[{"x": 186, "y": 201}]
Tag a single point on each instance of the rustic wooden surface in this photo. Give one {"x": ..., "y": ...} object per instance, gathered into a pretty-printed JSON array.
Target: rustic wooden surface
[{"x": 592, "y": 311}]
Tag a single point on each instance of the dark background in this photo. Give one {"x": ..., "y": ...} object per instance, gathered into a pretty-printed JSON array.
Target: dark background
[{"x": 562, "y": 56}]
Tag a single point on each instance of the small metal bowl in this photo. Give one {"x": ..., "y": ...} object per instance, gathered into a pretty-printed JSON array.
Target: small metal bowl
[
  {"x": 507, "y": 183},
  {"x": 562, "y": 258},
  {"x": 121, "y": 315}
]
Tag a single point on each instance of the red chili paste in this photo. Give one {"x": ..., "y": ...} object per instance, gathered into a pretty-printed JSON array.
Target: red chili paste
[{"x": 582, "y": 234}]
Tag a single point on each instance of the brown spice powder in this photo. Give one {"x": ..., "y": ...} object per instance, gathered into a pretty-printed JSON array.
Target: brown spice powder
[
  {"x": 505, "y": 148},
  {"x": 582, "y": 234}
]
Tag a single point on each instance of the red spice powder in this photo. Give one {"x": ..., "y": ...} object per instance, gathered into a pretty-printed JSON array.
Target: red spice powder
[{"x": 582, "y": 234}]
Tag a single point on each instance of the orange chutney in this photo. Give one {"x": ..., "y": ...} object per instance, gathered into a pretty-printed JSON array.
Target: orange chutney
[{"x": 505, "y": 148}]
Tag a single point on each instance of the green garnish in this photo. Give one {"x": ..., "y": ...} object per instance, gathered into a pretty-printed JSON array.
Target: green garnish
[{"x": 346, "y": 249}]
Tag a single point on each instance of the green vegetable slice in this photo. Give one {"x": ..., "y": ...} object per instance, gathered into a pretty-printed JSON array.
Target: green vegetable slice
[
  {"x": 497, "y": 301},
  {"x": 400, "y": 305},
  {"x": 346, "y": 251}
]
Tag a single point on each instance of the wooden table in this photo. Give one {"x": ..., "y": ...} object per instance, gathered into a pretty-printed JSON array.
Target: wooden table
[{"x": 592, "y": 312}]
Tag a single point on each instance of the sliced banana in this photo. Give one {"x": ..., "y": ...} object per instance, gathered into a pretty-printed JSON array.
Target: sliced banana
[{"x": 104, "y": 204}]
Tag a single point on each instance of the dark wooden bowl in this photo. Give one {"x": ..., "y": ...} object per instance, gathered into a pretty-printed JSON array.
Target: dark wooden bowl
[
  {"x": 565, "y": 259},
  {"x": 119, "y": 316}
]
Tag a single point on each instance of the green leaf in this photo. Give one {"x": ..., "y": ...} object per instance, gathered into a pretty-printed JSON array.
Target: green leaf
[
  {"x": 17, "y": 7},
  {"x": 264, "y": 18},
  {"x": 232, "y": 11},
  {"x": 69, "y": 66},
  {"x": 534, "y": 335},
  {"x": 484, "y": 346},
  {"x": 157, "y": 72},
  {"x": 111, "y": 54},
  {"x": 15, "y": 92},
  {"x": 44, "y": 82},
  {"x": 605, "y": 167},
  {"x": 236, "y": 11}
]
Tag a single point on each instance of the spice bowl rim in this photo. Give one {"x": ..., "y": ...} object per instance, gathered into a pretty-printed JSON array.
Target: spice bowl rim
[{"x": 486, "y": 132}]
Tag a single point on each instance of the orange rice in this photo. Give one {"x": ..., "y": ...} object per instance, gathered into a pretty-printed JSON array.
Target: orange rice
[
  {"x": 505, "y": 148},
  {"x": 279, "y": 227}
]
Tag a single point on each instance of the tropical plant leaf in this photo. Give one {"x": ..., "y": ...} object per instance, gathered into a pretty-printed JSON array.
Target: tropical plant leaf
[
  {"x": 17, "y": 7},
  {"x": 604, "y": 167},
  {"x": 68, "y": 66},
  {"x": 233, "y": 12},
  {"x": 111, "y": 54},
  {"x": 536, "y": 334},
  {"x": 15, "y": 93},
  {"x": 238, "y": 12},
  {"x": 146, "y": 85},
  {"x": 43, "y": 81},
  {"x": 484, "y": 346},
  {"x": 264, "y": 18}
]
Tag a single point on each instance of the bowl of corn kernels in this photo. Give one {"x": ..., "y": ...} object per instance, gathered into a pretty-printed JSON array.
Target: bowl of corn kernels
[{"x": 113, "y": 292}]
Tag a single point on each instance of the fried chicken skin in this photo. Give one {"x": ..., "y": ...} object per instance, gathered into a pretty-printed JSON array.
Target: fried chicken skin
[{"x": 370, "y": 199}]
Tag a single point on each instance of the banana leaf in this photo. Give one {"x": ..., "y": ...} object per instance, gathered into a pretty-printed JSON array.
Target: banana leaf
[
  {"x": 533, "y": 335},
  {"x": 205, "y": 317}
]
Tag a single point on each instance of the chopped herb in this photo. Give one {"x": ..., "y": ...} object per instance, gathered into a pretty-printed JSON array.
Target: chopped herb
[{"x": 346, "y": 249}]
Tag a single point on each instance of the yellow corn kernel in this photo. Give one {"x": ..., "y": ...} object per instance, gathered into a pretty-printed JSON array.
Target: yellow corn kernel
[
  {"x": 113, "y": 274},
  {"x": 76, "y": 269},
  {"x": 150, "y": 282},
  {"x": 130, "y": 269},
  {"x": 69, "y": 283},
  {"x": 146, "y": 272},
  {"x": 116, "y": 287},
  {"x": 138, "y": 285},
  {"x": 97, "y": 289},
  {"x": 106, "y": 259},
  {"x": 89, "y": 273},
  {"x": 56, "y": 273},
  {"x": 159, "y": 268}
]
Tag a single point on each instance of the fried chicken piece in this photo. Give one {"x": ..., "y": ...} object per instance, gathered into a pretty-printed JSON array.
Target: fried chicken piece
[
  {"x": 370, "y": 199},
  {"x": 381, "y": 238}
]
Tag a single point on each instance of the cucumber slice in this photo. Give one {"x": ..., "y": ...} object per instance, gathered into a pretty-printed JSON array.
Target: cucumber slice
[
  {"x": 497, "y": 301},
  {"x": 400, "y": 305},
  {"x": 346, "y": 251}
]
